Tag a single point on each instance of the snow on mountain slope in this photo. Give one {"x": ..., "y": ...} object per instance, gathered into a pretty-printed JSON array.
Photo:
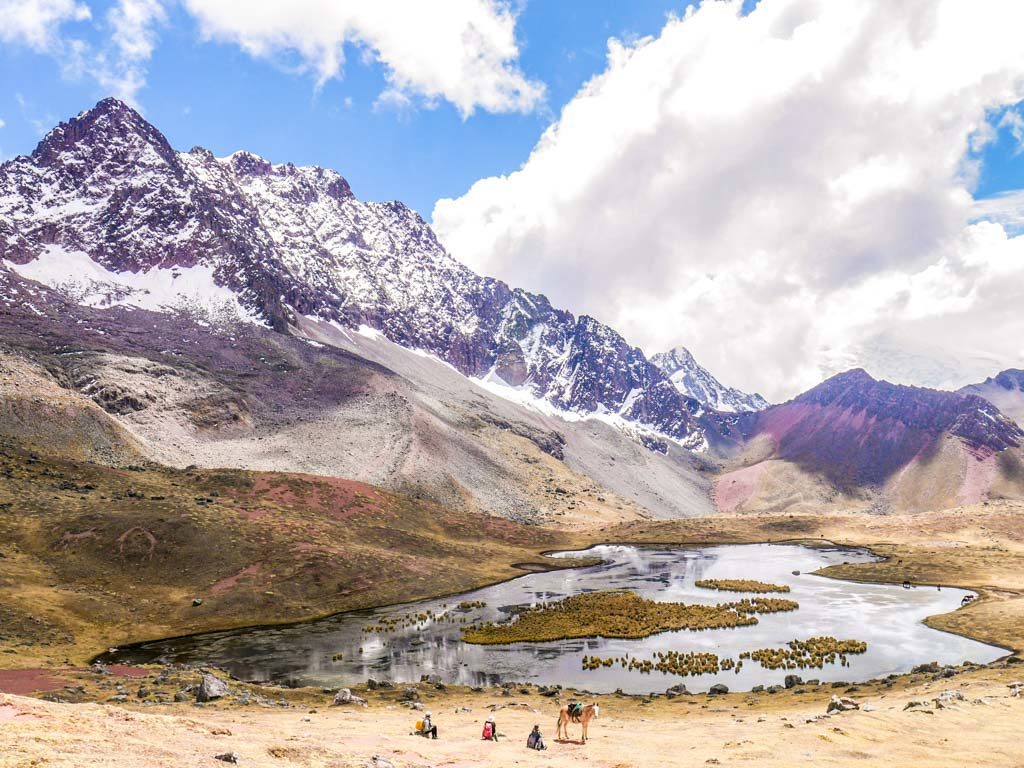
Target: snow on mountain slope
[
  {"x": 287, "y": 242},
  {"x": 695, "y": 381}
]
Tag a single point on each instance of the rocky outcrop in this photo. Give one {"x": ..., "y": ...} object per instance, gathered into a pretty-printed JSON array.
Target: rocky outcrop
[{"x": 211, "y": 688}]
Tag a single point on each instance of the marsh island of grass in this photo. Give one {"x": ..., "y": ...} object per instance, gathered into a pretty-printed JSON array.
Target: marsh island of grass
[
  {"x": 800, "y": 654},
  {"x": 741, "y": 585},
  {"x": 619, "y": 614}
]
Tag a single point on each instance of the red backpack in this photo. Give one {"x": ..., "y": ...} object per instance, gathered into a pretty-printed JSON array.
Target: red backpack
[{"x": 488, "y": 730}]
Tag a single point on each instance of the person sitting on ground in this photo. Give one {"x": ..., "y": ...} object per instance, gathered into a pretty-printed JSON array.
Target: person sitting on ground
[
  {"x": 428, "y": 729},
  {"x": 535, "y": 740},
  {"x": 490, "y": 730}
]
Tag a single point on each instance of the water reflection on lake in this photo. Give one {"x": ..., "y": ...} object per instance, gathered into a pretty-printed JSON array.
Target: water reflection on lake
[{"x": 888, "y": 618}]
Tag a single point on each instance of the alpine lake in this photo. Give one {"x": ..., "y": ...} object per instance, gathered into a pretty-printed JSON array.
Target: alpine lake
[{"x": 403, "y": 643}]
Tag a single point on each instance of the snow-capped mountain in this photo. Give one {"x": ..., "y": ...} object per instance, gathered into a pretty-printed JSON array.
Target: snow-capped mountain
[
  {"x": 108, "y": 212},
  {"x": 693, "y": 380}
]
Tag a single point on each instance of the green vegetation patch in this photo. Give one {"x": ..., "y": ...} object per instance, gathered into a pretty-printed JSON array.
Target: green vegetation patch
[
  {"x": 619, "y": 614},
  {"x": 741, "y": 585}
]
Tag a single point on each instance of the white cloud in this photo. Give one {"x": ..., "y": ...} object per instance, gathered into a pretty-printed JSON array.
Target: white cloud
[
  {"x": 782, "y": 192},
  {"x": 118, "y": 65},
  {"x": 121, "y": 68},
  {"x": 462, "y": 51},
  {"x": 36, "y": 23},
  {"x": 1006, "y": 208}
]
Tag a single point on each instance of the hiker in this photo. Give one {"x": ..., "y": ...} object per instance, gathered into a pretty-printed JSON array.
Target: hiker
[
  {"x": 535, "y": 740},
  {"x": 428, "y": 729},
  {"x": 490, "y": 730}
]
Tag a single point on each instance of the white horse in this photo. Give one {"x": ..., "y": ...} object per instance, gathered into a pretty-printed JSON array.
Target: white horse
[{"x": 590, "y": 712}]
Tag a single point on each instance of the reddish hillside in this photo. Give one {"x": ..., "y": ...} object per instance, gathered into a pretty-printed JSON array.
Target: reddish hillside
[{"x": 858, "y": 431}]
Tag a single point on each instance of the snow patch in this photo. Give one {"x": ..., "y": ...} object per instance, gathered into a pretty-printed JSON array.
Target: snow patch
[{"x": 83, "y": 281}]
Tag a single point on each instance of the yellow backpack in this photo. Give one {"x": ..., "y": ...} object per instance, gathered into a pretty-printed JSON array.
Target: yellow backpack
[{"x": 419, "y": 725}]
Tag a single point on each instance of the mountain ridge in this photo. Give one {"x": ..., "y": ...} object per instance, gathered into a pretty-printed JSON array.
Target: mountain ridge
[
  {"x": 1005, "y": 390},
  {"x": 290, "y": 241}
]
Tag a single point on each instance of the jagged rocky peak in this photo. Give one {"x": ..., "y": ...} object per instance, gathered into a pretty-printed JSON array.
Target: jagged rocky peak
[
  {"x": 112, "y": 128},
  {"x": 693, "y": 380}
]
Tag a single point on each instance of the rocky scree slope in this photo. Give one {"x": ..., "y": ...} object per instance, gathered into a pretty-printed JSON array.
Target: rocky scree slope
[
  {"x": 121, "y": 385},
  {"x": 105, "y": 196}
]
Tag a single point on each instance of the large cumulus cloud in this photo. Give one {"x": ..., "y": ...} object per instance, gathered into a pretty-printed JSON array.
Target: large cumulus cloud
[{"x": 786, "y": 192}]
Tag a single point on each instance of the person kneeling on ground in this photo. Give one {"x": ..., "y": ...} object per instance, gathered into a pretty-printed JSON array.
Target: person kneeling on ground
[
  {"x": 535, "y": 740},
  {"x": 428, "y": 728},
  {"x": 490, "y": 730}
]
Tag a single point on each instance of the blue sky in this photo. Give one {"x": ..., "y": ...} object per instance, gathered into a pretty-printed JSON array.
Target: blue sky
[{"x": 215, "y": 95}]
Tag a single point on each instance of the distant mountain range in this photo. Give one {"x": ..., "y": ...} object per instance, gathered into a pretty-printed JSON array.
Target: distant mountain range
[{"x": 179, "y": 300}]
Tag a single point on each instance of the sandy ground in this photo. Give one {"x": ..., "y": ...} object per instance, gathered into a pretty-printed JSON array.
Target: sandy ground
[{"x": 983, "y": 729}]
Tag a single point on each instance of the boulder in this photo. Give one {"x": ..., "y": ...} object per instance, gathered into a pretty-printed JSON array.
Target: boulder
[
  {"x": 946, "y": 698},
  {"x": 410, "y": 694},
  {"x": 718, "y": 689},
  {"x": 841, "y": 704},
  {"x": 228, "y": 757},
  {"x": 792, "y": 681},
  {"x": 211, "y": 688},
  {"x": 931, "y": 666},
  {"x": 676, "y": 690},
  {"x": 345, "y": 696}
]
